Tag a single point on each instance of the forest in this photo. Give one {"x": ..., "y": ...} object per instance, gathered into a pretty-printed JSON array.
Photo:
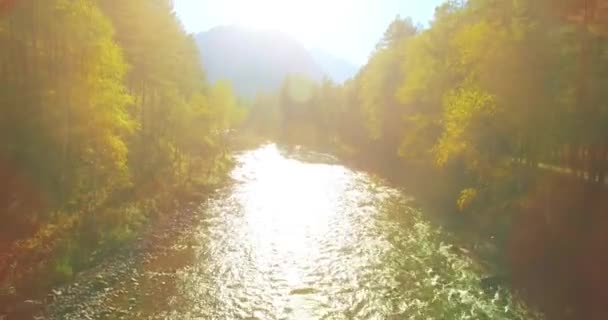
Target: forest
[
  {"x": 107, "y": 122},
  {"x": 496, "y": 116}
]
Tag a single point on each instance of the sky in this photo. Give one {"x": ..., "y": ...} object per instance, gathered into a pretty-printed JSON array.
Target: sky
[{"x": 348, "y": 29}]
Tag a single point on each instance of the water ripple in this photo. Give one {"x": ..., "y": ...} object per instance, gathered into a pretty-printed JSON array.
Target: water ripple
[{"x": 297, "y": 240}]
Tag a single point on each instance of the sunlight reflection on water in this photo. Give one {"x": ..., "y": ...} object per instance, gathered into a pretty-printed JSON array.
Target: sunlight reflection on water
[
  {"x": 288, "y": 210},
  {"x": 297, "y": 240}
]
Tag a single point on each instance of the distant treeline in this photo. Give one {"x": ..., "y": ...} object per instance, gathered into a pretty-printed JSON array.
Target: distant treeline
[
  {"x": 106, "y": 120},
  {"x": 497, "y": 113}
]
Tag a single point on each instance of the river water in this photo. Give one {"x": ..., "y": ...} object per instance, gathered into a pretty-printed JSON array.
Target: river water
[{"x": 298, "y": 236}]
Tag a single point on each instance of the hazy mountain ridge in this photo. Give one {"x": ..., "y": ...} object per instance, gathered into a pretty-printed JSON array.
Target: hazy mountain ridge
[
  {"x": 336, "y": 68},
  {"x": 257, "y": 61}
]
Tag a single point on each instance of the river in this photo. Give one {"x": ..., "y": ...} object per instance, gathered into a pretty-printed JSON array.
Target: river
[{"x": 298, "y": 236}]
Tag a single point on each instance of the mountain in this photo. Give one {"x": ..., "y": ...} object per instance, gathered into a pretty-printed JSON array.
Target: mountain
[
  {"x": 257, "y": 61},
  {"x": 254, "y": 60},
  {"x": 337, "y": 69}
]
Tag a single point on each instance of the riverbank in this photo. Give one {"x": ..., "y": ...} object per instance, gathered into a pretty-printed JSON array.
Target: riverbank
[
  {"x": 107, "y": 270},
  {"x": 37, "y": 278},
  {"x": 100, "y": 293}
]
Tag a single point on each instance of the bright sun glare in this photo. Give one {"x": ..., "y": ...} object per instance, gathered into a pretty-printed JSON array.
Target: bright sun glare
[{"x": 304, "y": 19}]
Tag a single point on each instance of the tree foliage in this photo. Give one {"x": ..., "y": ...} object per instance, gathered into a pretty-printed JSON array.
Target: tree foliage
[{"x": 105, "y": 110}]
